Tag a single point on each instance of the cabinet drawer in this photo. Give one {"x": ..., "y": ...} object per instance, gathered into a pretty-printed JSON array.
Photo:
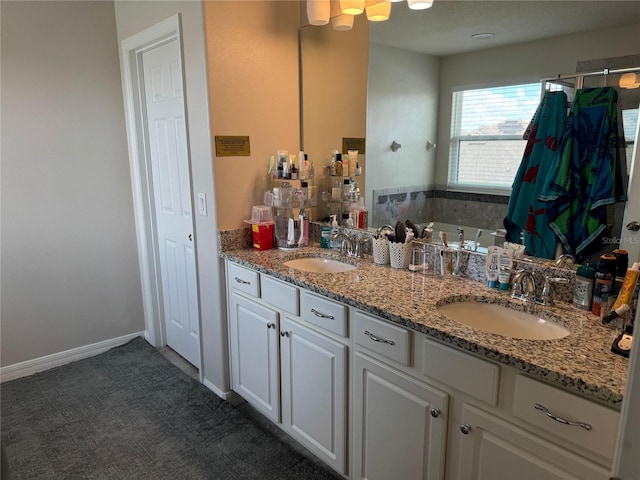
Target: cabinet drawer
[
  {"x": 281, "y": 295},
  {"x": 324, "y": 313},
  {"x": 382, "y": 337},
  {"x": 243, "y": 279},
  {"x": 460, "y": 370},
  {"x": 537, "y": 402}
]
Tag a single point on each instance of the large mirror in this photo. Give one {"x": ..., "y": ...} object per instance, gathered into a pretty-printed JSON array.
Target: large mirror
[{"x": 414, "y": 61}]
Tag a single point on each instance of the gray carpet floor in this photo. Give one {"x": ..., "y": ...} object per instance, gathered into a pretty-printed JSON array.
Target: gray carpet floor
[{"x": 130, "y": 414}]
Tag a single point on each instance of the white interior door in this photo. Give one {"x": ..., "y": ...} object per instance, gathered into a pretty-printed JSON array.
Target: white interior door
[{"x": 166, "y": 129}]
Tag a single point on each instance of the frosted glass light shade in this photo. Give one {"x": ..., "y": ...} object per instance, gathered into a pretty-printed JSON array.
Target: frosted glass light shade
[
  {"x": 419, "y": 4},
  {"x": 629, "y": 80},
  {"x": 318, "y": 11},
  {"x": 342, "y": 22},
  {"x": 352, "y": 7},
  {"x": 379, "y": 12}
]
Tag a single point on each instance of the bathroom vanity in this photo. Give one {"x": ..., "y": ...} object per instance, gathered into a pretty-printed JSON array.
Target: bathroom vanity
[{"x": 362, "y": 369}]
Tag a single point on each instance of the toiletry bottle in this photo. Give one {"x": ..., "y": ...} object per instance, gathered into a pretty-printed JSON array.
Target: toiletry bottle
[
  {"x": 345, "y": 165},
  {"x": 506, "y": 266},
  {"x": 628, "y": 286},
  {"x": 334, "y": 232},
  {"x": 303, "y": 222},
  {"x": 604, "y": 280},
  {"x": 325, "y": 236},
  {"x": 492, "y": 266},
  {"x": 338, "y": 165},
  {"x": 306, "y": 166},
  {"x": 583, "y": 293},
  {"x": 301, "y": 165},
  {"x": 622, "y": 264}
]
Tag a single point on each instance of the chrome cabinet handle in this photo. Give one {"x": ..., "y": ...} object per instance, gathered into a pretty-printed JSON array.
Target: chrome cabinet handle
[
  {"x": 435, "y": 412},
  {"x": 284, "y": 334},
  {"x": 322, "y": 315},
  {"x": 546, "y": 411},
  {"x": 271, "y": 325},
  {"x": 244, "y": 282},
  {"x": 465, "y": 428},
  {"x": 378, "y": 339}
]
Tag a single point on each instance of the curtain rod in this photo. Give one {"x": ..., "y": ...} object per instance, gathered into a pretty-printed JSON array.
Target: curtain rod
[{"x": 606, "y": 71}]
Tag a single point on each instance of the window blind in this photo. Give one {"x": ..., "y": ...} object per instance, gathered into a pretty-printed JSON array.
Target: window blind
[{"x": 487, "y": 126}]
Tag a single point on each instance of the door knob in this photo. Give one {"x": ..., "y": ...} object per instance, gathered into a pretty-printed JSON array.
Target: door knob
[{"x": 633, "y": 226}]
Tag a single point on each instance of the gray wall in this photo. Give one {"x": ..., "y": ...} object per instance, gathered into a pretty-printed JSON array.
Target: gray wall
[
  {"x": 69, "y": 264},
  {"x": 402, "y": 94}
]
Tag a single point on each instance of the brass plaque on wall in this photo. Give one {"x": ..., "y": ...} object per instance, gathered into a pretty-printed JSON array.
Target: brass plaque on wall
[
  {"x": 232, "y": 146},
  {"x": 350, "y": 143}
]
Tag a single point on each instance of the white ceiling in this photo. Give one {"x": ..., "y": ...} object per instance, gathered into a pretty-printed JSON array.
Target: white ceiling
[{"x": 446, "y": 27}]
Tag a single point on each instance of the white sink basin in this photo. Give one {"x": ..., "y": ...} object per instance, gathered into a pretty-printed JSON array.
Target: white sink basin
[
  {"x": 319, "y": 265},
  {"x": 501, "y": 320}
]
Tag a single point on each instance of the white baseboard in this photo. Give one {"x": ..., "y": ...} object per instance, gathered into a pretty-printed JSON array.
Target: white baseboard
[
  {"x": 232, "y": 397},
  {"x": 29, "y": 367}
]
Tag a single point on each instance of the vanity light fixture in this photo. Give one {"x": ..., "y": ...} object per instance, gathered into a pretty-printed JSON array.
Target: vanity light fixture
[
  {"x": 419, "y": 4},
  {"x": 630, "y": 80},
  {"x": 318, "y": 11},
  {"x": 342, "y": 22},
  {"x": 352, "y": 7},
  {"x": 379, "y": 12}
]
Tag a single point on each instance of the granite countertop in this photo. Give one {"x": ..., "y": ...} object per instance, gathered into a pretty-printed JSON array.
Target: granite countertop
[{"x": 581, "y": 362}]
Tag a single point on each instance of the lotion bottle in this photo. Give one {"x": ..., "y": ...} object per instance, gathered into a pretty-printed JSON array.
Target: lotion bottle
[{"x": 492, "y": 266}]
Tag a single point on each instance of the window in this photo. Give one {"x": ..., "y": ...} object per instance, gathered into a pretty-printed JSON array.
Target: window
[{"x": 487, "y": 125}]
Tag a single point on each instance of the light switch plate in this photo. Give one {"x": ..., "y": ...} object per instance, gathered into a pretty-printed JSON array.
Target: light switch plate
[{"x": 202, "y": 204}]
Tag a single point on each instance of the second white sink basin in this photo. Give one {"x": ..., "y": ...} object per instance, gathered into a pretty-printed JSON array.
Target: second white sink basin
[
  {"x": 501, "y": 320},
  {"x": 319, "y": 265}
]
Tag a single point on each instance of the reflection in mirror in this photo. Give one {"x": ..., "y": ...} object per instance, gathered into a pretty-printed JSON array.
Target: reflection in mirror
[{"x": 409, "y": 97}]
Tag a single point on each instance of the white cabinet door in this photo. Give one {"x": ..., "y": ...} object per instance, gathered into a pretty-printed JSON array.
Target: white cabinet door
[
  {"x": 253, "y": 344},
  {"x": 400, "y": 424},
  {"x": 493, "y": 449},
  {"x": 314, "y": 392}
]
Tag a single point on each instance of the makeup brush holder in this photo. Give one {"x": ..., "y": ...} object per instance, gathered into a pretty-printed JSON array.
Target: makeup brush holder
[
  {"x": 381, "y": 250},
  {"x": 400, "y": 254}
]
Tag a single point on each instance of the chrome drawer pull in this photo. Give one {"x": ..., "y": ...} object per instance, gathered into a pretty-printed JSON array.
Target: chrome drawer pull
[
  {"x": 244, "y": 282},
  {"x": 378, "y": 339},
  {"x": 546, "y": 411},
  {"x": 322, "y": 315}
]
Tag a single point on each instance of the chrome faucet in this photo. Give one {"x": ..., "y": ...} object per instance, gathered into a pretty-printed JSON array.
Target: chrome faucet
[
  {"x": 524, "y": 286},
  {"x": 563, "y": 260},
  {"x": 547, "y": 290},
  {"x": 346, "y": 244}
]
